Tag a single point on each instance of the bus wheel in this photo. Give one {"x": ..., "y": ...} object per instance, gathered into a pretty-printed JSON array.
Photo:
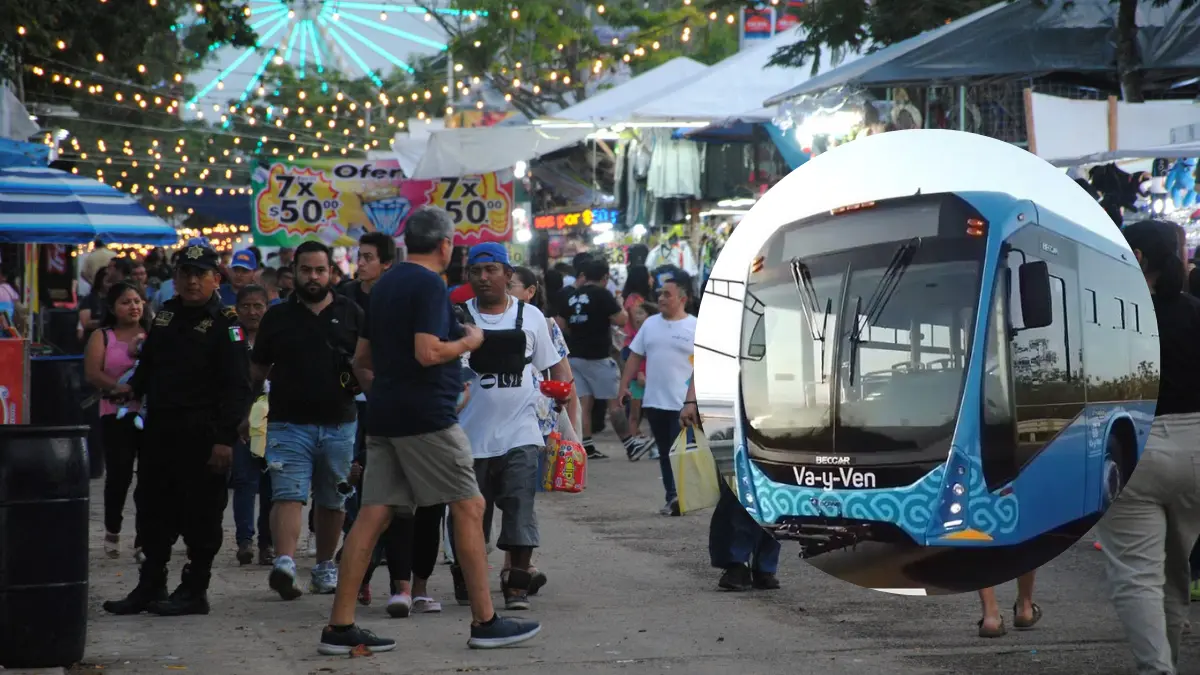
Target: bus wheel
[{"x": 1114, "y": 473}]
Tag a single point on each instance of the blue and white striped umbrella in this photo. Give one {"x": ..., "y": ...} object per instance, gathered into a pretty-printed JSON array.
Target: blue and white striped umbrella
[{"x": 40, "y": 205}]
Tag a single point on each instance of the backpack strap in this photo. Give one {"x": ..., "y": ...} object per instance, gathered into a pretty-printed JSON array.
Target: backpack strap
[{"x": 520, "y": 314}]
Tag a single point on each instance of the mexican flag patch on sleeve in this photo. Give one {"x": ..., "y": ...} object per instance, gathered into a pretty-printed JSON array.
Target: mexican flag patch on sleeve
[{"x": 236, "y": 334}]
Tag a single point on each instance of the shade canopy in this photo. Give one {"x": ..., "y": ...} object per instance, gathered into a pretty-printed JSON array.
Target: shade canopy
[
  {"x": 1176, "y": 151},
  {"x": 40, "y": 205},
  {"x": 614, "y": 105}
]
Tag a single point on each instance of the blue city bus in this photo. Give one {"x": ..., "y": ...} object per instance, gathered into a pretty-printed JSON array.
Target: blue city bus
[{"x": 962, "y": 369}]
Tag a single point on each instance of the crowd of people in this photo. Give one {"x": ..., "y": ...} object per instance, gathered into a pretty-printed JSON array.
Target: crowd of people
[
  {"x": 181, "y": 352},
  {"x": 194, "y": 346}
]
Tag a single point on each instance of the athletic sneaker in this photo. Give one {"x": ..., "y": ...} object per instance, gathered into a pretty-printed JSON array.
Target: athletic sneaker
[
  {"x": 636, "y": 447},
  {"x": 283, "y": 578},
  {"x": 341, "y": 641},
  {"x": 324, "y": 578},
  {"x": 503, "y": 631},
  {"x": 399, "y": 605},
  {"x": 671, "y": 508},
  {"x": 591, "y": 450}
]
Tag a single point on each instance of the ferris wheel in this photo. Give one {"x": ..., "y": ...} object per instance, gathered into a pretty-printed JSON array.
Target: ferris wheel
[{"x": 356, "y": 38}]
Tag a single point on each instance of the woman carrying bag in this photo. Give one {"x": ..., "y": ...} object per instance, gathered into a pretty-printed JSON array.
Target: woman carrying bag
[{"x": 110, "y": 353}]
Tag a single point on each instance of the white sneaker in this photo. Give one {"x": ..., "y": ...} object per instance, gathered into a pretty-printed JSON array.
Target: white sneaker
[
  {"x": 324, "y": 578},
  {"x": 311, "y": 545}
]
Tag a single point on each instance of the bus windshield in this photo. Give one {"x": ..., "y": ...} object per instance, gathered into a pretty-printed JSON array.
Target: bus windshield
[{"x": 838, "y": 363}]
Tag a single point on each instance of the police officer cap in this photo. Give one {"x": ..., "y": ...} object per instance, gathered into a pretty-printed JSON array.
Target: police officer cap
[{"x": 199, "y": 253}]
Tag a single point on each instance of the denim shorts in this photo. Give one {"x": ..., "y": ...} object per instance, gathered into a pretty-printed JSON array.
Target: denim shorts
[{"x": 310, "y": 458}]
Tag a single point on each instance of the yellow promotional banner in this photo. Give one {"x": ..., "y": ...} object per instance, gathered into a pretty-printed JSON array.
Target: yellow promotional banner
[{"x": 338, "y": 201}]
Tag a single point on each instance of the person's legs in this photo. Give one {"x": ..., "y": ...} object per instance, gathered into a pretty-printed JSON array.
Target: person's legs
[
  {"x": 119, "y": 457},
  {"x": 203, "y": 499},
  {"x": 730, "y": 545},
  {"x": 331, "y": 473},
  {"x": 290, "y": 452},
  {"x": 518, "y": 525},
  {"x": 398, "y": 546},
  {"x": 664, "y": 426},
  {"x": 1133, "y": 537},
  {"x": 158, "y": 504},
  {"x": 992, "y": 623},
  {"x": 244, "y": 478},
  {"x": 266, "y": 549},
  {"x": 426, "y": 535},
  {"x": 1025, "y": 612}
]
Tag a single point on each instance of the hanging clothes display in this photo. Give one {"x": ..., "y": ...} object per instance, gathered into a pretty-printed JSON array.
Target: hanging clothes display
[
  {"x": 675, "y": 167},
  {"x": 728, "y": 171},
  {"x": 673, "y": 252},
  {"x": 637, "y": 168}
]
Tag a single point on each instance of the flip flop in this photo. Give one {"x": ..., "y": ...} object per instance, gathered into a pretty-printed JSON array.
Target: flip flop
[
  {"x": 1000, "y": 631},
  {"x": 1025, "y": 624}
]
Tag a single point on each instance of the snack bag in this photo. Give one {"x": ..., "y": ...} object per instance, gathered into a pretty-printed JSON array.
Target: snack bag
[{"x": 566, "y": 466}]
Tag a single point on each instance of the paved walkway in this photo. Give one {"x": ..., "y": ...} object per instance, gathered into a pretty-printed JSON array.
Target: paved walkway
[{"x": 629, "y": 591}]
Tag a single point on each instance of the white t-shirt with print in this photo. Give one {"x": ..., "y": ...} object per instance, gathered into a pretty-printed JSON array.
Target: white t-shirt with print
[
  {"x": 500, "y": 418},
  {"x": 667, "y": 347}
]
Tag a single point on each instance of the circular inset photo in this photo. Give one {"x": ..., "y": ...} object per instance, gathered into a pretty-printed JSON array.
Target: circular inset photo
[{"x": 942, "y": 359}]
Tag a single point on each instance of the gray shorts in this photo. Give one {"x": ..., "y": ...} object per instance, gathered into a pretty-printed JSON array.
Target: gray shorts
[
  {"x": 408, "y": 472},
  {"x": 598, "y": 378},
  {"x": 510, "y": 483}
]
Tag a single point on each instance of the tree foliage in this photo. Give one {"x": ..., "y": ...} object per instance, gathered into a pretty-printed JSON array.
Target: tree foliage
[{"x": 550, "y": 54}]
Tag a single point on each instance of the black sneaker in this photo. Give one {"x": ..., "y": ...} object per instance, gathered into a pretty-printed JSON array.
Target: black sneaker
[
  {"x": 593, "y": 453},
  {"x": 638, "y": 447},
  {"x": 764, "y": 581},
  {"x": 342, "y": 642},
  {"x": 503, "y": 632},
  {"x": 736, "y": 578},
  {"x": 460, "y": 586},
  {"x": 245, "y": 553},
  {"x": 671, "y": 508}
]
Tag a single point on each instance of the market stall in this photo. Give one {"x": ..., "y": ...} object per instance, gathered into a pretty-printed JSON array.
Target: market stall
[{"x": 44, "y": 206}]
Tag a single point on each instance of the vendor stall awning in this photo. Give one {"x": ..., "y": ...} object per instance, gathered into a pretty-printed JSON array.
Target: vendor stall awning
[
  {"x": 614, "y": 105},
  {"x": 1177, "y": 151},
  {"x": 46, "y": 206},
  {"x": 466, "y": 152}
]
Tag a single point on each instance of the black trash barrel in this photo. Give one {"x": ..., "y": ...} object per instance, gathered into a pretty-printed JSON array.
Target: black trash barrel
[
  {"x": 57, "y": 392},
  {"x": 43, "y": 545}
]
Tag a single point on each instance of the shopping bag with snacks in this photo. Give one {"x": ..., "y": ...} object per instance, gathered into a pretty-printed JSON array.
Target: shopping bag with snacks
[
  {"x": 566, "y": 465},
  {"x": 695, "y": 472}
]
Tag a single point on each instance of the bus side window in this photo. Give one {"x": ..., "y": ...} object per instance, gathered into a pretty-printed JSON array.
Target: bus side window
[
  {"x": 1137, "y": 318},
  {"x": 1089, "y": 306},
  {"x": 1120, "y": 314}
]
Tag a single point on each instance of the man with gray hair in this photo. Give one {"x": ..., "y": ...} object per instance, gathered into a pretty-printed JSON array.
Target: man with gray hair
[{"x": 409, "y": 363}]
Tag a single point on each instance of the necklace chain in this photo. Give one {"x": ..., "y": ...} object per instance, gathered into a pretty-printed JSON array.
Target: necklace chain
[{"x": 499, "y": 317}]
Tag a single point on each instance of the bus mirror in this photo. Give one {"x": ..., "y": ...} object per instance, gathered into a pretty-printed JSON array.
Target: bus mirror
[{"x": 1037, "y": 309}]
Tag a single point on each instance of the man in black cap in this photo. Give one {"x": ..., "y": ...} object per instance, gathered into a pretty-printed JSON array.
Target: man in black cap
[{"x": 194, "y": 372}]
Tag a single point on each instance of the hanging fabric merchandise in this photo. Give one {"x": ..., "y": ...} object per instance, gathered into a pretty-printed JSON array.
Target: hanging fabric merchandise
[{"x": 675, "y": 167}]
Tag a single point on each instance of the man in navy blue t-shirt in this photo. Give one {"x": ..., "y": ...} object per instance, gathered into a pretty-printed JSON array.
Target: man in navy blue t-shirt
[{"x": 417, "y": 455}]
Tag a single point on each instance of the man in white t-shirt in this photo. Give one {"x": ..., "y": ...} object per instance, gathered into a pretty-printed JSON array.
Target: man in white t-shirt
[
  {"x": 665, "y": 341},
  {"x": 500, "y": 418}
]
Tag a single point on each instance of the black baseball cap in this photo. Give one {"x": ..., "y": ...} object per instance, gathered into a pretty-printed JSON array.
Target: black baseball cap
[{"x": 199, "y": 254}]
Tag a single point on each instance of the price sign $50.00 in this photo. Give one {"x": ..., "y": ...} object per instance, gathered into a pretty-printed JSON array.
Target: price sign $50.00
[
  {"x": 461, "y": 199},
  {"x": 305, "y": 203}
]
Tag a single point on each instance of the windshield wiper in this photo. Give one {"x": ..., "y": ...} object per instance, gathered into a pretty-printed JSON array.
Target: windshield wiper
[
  {"x": 810, "y": 304},
  {"x": 883, "y": 292}
]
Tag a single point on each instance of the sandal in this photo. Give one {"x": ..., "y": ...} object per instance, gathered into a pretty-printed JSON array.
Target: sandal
[
  {"x": 999, "y": 631},
  {"x": 1025, "y": 624},
  {"x": 425, "y": 605}
]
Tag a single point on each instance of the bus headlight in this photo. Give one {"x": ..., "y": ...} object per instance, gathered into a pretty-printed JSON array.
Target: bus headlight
[
  {"x": 958, "y": 490},
  {"x": 956, "y": 508}
]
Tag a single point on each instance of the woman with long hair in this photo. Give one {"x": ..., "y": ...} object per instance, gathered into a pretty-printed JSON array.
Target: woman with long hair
[
  {"x": 109, "y": 354},
  {"x": 1148, "y": 532}
]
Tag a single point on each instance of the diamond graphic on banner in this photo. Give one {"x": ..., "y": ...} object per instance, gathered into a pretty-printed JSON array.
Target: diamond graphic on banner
[{"x": 388, "y": 214}]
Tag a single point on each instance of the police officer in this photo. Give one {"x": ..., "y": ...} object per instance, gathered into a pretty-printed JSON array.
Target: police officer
[{"x": 194, "y": 372}]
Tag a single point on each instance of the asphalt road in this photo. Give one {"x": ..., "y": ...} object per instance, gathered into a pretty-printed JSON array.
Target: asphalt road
[{"x": 630, "y": 592}]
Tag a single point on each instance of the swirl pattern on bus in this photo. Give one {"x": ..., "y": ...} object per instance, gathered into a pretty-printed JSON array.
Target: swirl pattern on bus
[{"x": 912, "y": 508}]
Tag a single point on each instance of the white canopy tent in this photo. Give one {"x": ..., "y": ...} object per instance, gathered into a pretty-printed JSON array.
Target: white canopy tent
[
  {"x": 1063, "y": 131},
  {"x": 1175, "y": 151},
  {"x": 466, "y": 152},
  {"x": 735, "y": 88},
  {"x": 614, "y": 105}
]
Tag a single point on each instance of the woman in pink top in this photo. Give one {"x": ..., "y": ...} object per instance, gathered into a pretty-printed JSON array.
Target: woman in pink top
[{"x": 111, "y": 352}]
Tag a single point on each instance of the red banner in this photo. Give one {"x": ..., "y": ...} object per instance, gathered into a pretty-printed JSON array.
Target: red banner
[{"x": 12, "y": 380}]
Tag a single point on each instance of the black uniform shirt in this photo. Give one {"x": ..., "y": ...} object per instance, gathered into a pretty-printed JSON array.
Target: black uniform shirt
[
  {"x": 195, "y": 358},
  {"x": 307, "y": 354},
  {"x": 1178, "y": 332}
]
